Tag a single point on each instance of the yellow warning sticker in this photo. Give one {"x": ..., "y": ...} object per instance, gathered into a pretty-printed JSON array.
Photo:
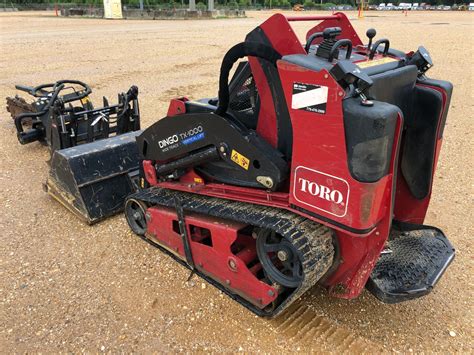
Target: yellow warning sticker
[
  {"x": 85, "y": 100},
  {"x": 371, "y": 63},
  {"x": 240, "y": 159}
]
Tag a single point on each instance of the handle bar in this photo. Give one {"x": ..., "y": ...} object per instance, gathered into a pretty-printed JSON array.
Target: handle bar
[
  {"x": 337, "y": 45},
  {"x": 86, "y": 92},
  {"x": 313, "y": 18},
  {"x": 311, "y": 39},
  {"x": 25, "y": 88},
  {"x": 384, "y": 41},
  {"x": 20, "y": 118}
]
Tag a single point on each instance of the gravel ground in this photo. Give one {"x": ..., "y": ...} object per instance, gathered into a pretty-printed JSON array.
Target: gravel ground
[{"x": 65, "y": 286}]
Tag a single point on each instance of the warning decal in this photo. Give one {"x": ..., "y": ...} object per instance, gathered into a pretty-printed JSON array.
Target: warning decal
[
  {"x": 371, "y": 63},
  {"x": 85, "y": 100},
  {"x": 239, "y": 159},
  {"x": 309, "y": 97}
]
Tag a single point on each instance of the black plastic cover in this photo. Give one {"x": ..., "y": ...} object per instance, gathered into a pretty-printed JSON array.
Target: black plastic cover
[
  {"x": 369, "y": 133},
  {"x": 447, "y": 87},
  {"x": 421, "y": 107},
  {"x": 419, "y": 147}
]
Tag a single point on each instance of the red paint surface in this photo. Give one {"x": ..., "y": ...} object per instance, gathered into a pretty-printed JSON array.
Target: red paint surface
[
  {"x": 177, "y": 106},
  {"x": 362, "y": 224},
  {"x": 214, "y": 260}
]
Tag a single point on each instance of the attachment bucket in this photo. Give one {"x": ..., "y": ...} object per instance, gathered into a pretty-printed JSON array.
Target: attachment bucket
[{"x": 92, "y": 180}]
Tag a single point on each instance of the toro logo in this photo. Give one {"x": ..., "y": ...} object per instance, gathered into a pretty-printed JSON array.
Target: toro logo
[{"x": 321, "y": 191}]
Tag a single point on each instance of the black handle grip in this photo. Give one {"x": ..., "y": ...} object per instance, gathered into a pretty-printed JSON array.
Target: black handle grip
[
  {"x": 20, "y": 118},
  {"x": 337, "y": 45},
  {"x": 25, "y": 88},
  {"x": 311, "y": 39},
  {"x": 377, "y": 44}
]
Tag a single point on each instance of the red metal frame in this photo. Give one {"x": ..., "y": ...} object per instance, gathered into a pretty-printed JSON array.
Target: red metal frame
[
  {"x": 216, "y": 260},
  {"x": 177, "y": 106},
  {"x": 360, "y": 213}
]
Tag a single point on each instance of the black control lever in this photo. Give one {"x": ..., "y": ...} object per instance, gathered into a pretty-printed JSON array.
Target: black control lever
[
  {"x": 370, "y": 34},
  {"x": 422, "y": 59},
  {"x": 329, "y": 35},
  {"x": 331, "y": 32},
  {"x": 346, "y": 73}
]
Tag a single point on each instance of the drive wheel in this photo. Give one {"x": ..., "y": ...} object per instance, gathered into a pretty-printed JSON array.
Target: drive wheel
[
  {"x": 279, "y": 258},
  {"x": 135, "y": 212}
]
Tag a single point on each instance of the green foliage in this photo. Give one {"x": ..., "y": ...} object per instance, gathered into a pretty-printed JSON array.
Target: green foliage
[
  {"x": 201, "y": 6},
  {"x": 328, "y": 5}
]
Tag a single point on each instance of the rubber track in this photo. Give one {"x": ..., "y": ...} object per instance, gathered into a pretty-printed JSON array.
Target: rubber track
[{"x": 312, "y": 241}]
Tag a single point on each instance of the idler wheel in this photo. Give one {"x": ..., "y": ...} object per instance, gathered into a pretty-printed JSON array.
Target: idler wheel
[
  {"x": 135, "y": 212},
  {"x": 279, "y": 258}
]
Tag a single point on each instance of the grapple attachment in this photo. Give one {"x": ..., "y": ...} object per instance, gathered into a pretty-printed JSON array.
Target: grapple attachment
[
  {"x": 92, "y": 180},
  {"x": 94, "y": 157}
]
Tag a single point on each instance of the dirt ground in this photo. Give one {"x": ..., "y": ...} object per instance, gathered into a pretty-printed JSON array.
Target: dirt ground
[{"x": 65, "y": 286}]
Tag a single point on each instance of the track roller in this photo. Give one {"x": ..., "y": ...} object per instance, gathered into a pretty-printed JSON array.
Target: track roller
[{"x": 135, "y": 213}]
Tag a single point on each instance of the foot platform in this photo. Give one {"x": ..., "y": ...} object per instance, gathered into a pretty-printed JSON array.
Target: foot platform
[{"x": 411, "y": 265}]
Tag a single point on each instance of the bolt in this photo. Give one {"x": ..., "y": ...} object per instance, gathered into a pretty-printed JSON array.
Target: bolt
[
  {"x": 254, "y": 235},
  {"x": 222, "y": 149},
  {"x": 326, "y": 76},
  {"x": 340, "y": 93},
  {"x": 227, "y": 282},
  {"x": 232, "y": 264},
  {"x": 200, "y": 264},
  {"x": 282, "y": 255},
  {"x": 271, "y": 293}
]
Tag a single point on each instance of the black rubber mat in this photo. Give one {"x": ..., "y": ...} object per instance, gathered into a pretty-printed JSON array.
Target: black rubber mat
[{"x": 411, "y": 264}]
